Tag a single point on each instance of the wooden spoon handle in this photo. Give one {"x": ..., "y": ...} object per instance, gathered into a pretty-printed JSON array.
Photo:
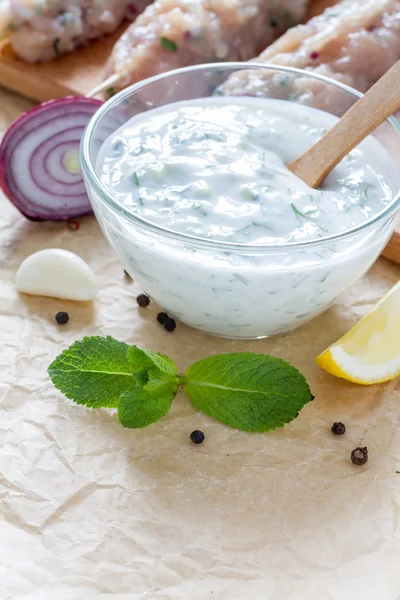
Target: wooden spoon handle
[{"x": 381, "y": 101}]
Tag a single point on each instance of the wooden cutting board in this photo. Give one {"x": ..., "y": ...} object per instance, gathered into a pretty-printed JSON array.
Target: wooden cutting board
[
  {"x": 74, "y": 73},
  {"x": 82, "y": 70}
]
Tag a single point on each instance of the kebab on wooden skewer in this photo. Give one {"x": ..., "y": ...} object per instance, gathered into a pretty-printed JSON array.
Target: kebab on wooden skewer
[
  {"x": 352, "y": 42},
  {"x": 176, "y": 33},
  {"x": 40, "y": 30}
]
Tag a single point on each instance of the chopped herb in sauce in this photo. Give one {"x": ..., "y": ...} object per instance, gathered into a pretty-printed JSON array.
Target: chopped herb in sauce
[
  {"x": 204, "y": 192},
  {"x": 137, "y": 151},
  {"x": 307, "y": 215},
  {"x": 110, "y": 92},
  {"x": 118, "y": 147},
  {"x": 241, "y": 278},
  {"x": 248, "y": 194},
  {"x": 168, "y": 44},
  {"x": 56, "y": 49},
  {"x": 297, "y": 211}
]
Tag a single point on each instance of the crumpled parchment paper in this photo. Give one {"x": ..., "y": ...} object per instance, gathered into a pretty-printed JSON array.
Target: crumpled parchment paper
[{"x": 92, "y": 511}]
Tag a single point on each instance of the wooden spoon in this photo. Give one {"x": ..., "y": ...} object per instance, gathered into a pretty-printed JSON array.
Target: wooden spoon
[{"x": 381, "y": 101}]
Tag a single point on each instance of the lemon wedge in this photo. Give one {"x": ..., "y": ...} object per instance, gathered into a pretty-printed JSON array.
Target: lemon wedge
[{"x": 370, "y": 352}]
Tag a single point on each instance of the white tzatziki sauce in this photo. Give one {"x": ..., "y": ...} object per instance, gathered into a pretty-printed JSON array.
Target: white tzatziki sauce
[{"x": 214, "y": 169}]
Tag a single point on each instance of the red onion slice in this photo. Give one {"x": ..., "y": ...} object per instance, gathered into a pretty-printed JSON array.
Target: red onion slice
[{"x": 39, "y": 160}]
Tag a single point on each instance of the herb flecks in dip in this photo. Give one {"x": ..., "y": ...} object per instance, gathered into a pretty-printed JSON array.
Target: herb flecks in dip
[{"x": 215, "y": 168}]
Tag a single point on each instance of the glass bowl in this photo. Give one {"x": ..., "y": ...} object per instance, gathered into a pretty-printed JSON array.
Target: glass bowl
[{"x": 231, "y": 289}]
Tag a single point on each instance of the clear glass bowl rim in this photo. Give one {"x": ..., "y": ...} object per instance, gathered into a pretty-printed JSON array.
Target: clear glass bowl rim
[{"x": 105, "y": 196}]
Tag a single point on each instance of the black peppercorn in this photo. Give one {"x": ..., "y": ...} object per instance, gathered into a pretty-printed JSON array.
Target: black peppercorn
[
  {"x": 143, "y": 300},
  {"x": 359, "y": 456},
  {"x": 338, "y": 428},
  {"x": 62, "y": 318},
  {"x": 197, "y": 437},
  {"x": 162, "y": 317},
  {"x": 169, "y": 324}
]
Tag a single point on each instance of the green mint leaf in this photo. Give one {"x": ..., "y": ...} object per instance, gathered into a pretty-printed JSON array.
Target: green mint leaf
[
  {"x": 140, "y": 407},
  {"x": 145, "y": 359},
  {"x": 168, "y": 44},
  {"x": 94, "y": 371},
  {"x": 251, "y": 392},
  {"x": 56, "y": 49}
]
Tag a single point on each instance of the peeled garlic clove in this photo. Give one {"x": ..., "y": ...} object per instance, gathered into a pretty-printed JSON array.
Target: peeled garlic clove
[{"x": 56, "y": 273}]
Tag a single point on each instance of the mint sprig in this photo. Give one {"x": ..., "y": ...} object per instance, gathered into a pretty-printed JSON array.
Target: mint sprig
[{"x": 247, "y": 391}]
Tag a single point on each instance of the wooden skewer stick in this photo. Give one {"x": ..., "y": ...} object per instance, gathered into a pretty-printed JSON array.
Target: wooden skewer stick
[
  {"x": 104, "y": 85},
  {"x": 381, "y": 101}
]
